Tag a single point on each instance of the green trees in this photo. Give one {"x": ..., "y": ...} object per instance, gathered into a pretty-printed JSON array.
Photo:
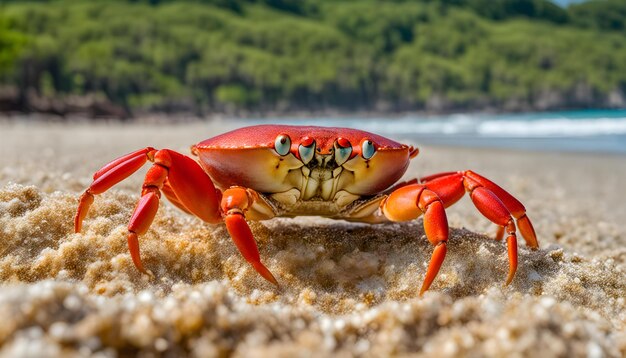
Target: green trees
[
  {"x": 505, "y": 9},
  {"x": 600, "y": 14},
  {"x": 230, "y": 55},
  {"x": 12, "y": 44}
]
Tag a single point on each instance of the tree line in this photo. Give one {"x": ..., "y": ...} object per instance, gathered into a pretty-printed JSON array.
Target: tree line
[{"x": 290, "y": 55}]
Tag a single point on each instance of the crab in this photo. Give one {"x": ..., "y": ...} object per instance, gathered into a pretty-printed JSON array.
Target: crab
[{"x": 261, "y": 172}]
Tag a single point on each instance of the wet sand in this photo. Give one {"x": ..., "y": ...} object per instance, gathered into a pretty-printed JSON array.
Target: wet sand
[{"x": 346, "y": 289}]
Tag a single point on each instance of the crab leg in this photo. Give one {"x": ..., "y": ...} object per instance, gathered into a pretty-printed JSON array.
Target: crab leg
[
  {"x": 182, "y": 179},
  {"x": 188, "y": 183},
  {"x": 171, "y": 196},
  {"x": 513, "y": 205},
  {"x": 235, "y": 202},
  {"x": 440, "y": 191},
  {"x": 148, "y": 152},
  {"x": 493, "y": 202},
  {"x": 408, "y": 203},
  {"x": 452, "y": 186},
  {"x": 499, "y": 233},
  {"x": 492, "y": 208},
  {"x": 140, "y": 221},
  {"x": 109, "y": 175}
]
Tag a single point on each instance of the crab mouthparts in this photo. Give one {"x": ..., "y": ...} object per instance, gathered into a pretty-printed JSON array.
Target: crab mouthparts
[
  {"x": 322, "y": 167},
  {"x": 325, "y": 162},
  {"x": 320, "y": 176}
]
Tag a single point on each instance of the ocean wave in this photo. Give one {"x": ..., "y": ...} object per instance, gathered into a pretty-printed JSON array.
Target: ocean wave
[
  {"x": 528, "y": 125},
  {"x": 552, "y": 127}
]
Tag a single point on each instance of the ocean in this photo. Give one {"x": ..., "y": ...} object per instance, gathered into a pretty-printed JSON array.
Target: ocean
[{"x": 599, "y": 131}]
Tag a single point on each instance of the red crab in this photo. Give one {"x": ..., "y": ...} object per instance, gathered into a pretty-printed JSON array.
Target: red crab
[{"x": 276, "y": 170}]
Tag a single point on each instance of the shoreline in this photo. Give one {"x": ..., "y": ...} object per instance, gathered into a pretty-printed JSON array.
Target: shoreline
[
  {"x": 601, "y": 132},
  {"x": 190, "y": 117}
]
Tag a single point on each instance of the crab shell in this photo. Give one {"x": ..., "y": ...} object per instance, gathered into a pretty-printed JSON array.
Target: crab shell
[{"x": 247, "y": 157}]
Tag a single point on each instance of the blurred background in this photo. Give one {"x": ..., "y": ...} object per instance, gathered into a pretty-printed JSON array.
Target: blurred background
[{"x": 533, "y": 74}]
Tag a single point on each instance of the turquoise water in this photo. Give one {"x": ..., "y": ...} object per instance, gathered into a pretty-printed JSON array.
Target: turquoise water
[{"x": 602, "y": 131}]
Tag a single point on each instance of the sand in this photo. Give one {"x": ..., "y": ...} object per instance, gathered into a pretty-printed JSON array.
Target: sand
[{"x": 345, "y": 289}]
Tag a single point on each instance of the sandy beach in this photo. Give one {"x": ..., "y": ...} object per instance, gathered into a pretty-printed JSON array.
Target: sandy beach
[{"x": 345, "y": 289}]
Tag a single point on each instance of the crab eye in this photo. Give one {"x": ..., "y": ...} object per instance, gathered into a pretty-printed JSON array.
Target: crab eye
[
  {"x": 282, "y": 144},
  {"x": 343, "y": 150},
  {"x": 306, "y": 150},
  {"x": 367, "y": 149}
]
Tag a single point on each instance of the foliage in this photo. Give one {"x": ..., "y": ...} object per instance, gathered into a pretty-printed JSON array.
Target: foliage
[
  {"x": 290, "y": 54},
  {"x": 601, "y": 14},
  {"x": 504, "y": 9}
]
